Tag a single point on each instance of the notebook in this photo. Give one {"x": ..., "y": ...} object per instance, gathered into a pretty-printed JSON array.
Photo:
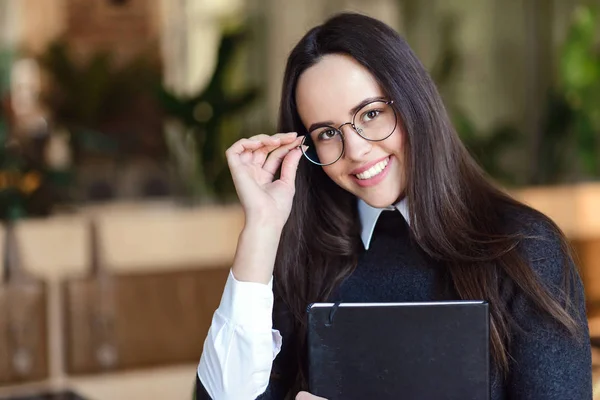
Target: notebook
[{"x": 433, "y": 350}]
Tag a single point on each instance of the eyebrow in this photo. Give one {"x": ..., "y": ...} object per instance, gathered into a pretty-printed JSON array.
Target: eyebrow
[{"x": 352, "y": 111}]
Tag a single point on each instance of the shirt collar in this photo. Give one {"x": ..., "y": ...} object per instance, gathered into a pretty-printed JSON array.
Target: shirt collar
[{"x": 369, "y": 215}]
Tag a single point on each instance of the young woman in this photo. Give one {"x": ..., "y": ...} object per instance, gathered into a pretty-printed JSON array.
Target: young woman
[{"x": 371, "y": 197}]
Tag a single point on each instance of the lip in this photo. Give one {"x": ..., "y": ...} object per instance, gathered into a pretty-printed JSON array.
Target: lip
[
  {"x": 367, "y": 166},
  {"x": 377, "y": 178}
]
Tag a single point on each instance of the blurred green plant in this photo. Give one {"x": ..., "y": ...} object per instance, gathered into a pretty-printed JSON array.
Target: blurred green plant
[
  {"x": 488, "y": 147},
  {"x": 205, "y": 124},
  {"x": 12, "y": 199},
  {"x": 6, "y": 58},
  {"x": 24, "y": 188},
  {"x": 5, "y": 63},
  {"x": 92, "y": 99},
  {"x": 579, "y": 85},
  {"x": 569, "y": 142}
]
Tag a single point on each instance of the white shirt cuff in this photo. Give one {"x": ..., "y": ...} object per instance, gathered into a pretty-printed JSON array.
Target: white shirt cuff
[{"x": 248, "y": 305}]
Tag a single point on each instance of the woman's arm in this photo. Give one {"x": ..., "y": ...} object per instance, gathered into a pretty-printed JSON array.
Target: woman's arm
[
  {"x": 241, "y": 343},
  {"x": 250, "y": 297},
  {"x": 547, "y": 361}
]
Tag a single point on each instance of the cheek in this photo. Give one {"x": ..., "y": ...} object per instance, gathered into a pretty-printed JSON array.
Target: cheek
[
  {"x": 334, "y": 171},
  {"x": 395, "y": 144}
]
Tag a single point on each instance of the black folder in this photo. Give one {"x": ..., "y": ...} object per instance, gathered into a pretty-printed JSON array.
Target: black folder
[{"x": 433, "y": 350}]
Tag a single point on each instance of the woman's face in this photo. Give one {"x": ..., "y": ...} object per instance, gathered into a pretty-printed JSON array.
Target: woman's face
[{"x": 328, "y": 91}]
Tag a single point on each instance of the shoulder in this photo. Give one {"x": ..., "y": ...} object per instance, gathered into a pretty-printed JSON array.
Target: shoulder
[
  {"x": 543, "y": 247},
  {"x": 540, "y": 240},
  {"x": 531, "y": 224},
  {"x": 550, "y": 354}
]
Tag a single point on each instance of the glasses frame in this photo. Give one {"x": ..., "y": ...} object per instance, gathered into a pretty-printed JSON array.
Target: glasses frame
[{"x": 355, "y": 128}]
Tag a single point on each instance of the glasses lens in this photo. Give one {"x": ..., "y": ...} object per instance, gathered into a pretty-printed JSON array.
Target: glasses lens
[
  {"x": 325, "y": 145},
  {"x": 375, "y": 121}
]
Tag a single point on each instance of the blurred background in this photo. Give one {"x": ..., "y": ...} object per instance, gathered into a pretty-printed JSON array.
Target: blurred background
[{"x": 119, "y": 218}]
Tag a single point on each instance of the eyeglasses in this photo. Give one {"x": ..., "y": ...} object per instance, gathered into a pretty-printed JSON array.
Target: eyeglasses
[{"x": 376, "y": 121}]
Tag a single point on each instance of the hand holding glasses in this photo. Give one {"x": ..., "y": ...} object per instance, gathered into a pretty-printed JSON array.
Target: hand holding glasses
[
  {"x": 254, "y": 162},
  {"x": 264, "y": 169}
]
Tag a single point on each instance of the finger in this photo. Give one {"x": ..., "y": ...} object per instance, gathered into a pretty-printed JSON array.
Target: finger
[
  {"x": 270, "y": 143},
  {"x": 260, "y": 155},
  {"x": 241, "y": 151},
  {"x": 265, "y": 138},
  {"x": 236, "y": 150},
  {"x": 276, "y": 157},
  {"x": 257, "y": 141},
  {"x": 278, "y": 137},
  {"x": 287, "y": 137},
  {"x": 243, "y": 145},
  {"x": 284, "y": 137},
  {"x": 289, "y": 166}
]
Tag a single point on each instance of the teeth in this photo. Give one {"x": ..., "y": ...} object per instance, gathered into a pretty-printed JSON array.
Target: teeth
[{"x": 374, "y": 170}]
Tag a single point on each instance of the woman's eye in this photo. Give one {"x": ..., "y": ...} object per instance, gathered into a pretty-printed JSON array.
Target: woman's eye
[
  {"x": 327, "y": 134},
  {"x": 369, "y": 115}
]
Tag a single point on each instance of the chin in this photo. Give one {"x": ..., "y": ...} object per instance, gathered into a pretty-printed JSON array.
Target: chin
[{"x": 381, "y": 200}]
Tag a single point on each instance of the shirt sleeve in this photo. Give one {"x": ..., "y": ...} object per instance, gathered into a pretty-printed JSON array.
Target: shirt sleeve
[
  {"x": 547, "y": 362},
  {"x": 241, "y": 343}
]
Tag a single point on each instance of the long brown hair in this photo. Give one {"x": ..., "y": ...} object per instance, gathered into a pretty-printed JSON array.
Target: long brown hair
[{"x": 457, "y": 216}]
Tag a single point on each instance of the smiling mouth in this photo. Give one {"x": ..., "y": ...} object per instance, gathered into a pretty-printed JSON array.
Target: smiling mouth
[{"x": 374, "y": 170}]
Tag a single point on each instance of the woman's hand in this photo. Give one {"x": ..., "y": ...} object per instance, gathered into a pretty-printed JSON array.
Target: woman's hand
[
  {"x": 267, "y": 201},
  {"x": 308, "y": 396},
  {"x": 253, "y": 164}
]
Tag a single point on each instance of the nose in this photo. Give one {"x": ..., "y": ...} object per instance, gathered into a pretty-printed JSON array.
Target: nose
[{"x": 355, "y": 146}]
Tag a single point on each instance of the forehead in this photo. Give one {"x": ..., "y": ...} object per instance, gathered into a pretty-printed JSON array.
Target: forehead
[{"x": 328, "y": 90}]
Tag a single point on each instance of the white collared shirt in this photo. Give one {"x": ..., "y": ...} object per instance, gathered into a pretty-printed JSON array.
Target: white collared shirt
[
  {"x": 369, "y": 215},
  {"x": 241, "y": 343}
]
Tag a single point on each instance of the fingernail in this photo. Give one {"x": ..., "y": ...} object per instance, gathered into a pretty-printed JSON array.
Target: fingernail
[
  {"x": 304, "y": 147},
  {"x": 293, "y": 133}
]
